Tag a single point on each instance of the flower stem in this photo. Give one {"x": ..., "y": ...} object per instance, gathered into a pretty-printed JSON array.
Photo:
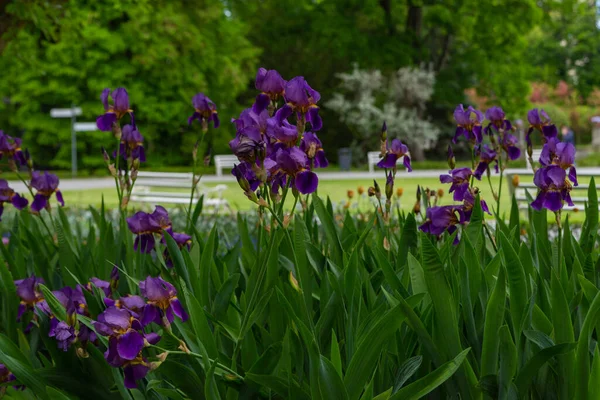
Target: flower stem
[
  {"x": 223, "y": 367},
  {"x": 194, "y": 184}
]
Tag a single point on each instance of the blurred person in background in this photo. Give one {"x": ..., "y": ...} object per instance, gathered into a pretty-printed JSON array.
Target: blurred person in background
[{"x": 568, "y": 136}]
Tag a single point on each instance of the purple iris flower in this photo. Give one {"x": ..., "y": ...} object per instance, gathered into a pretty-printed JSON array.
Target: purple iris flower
[
  {"x": 67, "y": 332},
  {"x": 554, "y": 189},
  {"x": 468, "y": 124},
  {"x": 486, "y": 157},
  {"x": 272, "y": 87},
  {"x": 497, "y": 118},
  {"x": 162, "y": 301},
  {"x": 459, "y": 178},
  {"x": 114, "y": 112},
  {"x": 125, "y": 340},
  {"x": 182, "y": 240},
  {"x": 394, "y": 152},
  {"x": 244, "y": 171},
  {"x": 468, "y": 205},
  {"x": 441, "y": 219},
  {"x": 161, "y": 216},
  {"x": 249, "y": 118},
  {"x": 313, "y": 148},
  {"x": 144, "y": 226},
  {"x": 11, "y": 148},
  {"x": 5, "y": 374},
  {"x": 294, "y": 163},
  {"x": 132, "y": 143},
  {"x": 206, "y": 111},
  {"x": 302, "y": 99},
  {"x": 100, "y": 284},
  {"x": 509, "y": 143},
  {"x": 134, "y": 304},
  {"x": 64, "y": 333},
  {"x": 134, "y": 371},
  {"x": 561, "y": 154},
  {"x": 46, "y": 184},
  {"x": 539, "y": 119},
  {"x": 8, "y": 195},
  {"x": 282, "y": 131},
  {"x": 27, "y": 290}
]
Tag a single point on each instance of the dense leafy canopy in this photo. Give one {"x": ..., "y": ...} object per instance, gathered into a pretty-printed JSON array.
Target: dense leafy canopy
[
  {"x": 60, "y": 53},
  {"x": 55, "y": 53}
]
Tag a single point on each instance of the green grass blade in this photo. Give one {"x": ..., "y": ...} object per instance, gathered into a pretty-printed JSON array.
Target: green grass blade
[{"x": 425, "y": 385}]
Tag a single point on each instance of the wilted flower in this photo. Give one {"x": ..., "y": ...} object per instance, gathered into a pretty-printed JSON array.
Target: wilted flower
[
  {"x": 394, "y": 152},
  {"x": 302, "y": 99},
  {"x": 440, "y": 193},
  {"x": 460, "y": 182},
  {"x": 294, "y": 163},
  {"x": 162, "y": 302},
  {"x": 350, "y": 194},
  {"x": 272, "y": 87},
  {"x": 486, "y": 157},
  {"x": 399, "y": 192},
  {"x": 114, "y": 112},
  {"x": 46, "y": 185},
  {"x": 451, "y": 158},
  {"x": 554, "y": 188},
  {"x": 248, "y": 145},
  {"x": 497, "y": 118},
  {"x": 561, "y": 154},
  {"x": 468, "y": 124},
  {"x": 313, "y": 148},
  {"x": 206, "y": 111},
  {"x": 360, "y": 190},
  {"x": 8, "y": 195}
]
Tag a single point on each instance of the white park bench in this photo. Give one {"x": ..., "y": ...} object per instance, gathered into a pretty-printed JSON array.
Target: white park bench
[
  {"x": 526, "y": 183},
  {"x": 373, "y": 157},
  {"x": 224, "y": 161},
  {"x": 174, "y": 188}
]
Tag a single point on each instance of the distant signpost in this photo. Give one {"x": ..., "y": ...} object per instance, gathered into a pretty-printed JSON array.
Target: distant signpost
[{"x": 72, "y": 113}]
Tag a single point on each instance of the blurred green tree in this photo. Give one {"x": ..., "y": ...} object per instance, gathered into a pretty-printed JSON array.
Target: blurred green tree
[
  {"x": 566, "y": 45},
  {"x": 468, "y": 43},
  {"x": 56, "y": 53}
]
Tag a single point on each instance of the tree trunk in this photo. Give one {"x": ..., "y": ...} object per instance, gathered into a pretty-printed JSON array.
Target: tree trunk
[
  {"x": 416, "y": 152},
  {"x": 414, "y": 24},
  {"x": 387, "y": 10}
]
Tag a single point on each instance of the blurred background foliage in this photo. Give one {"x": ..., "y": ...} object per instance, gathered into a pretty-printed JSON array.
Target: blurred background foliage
[{"x": 54, "y": 53}]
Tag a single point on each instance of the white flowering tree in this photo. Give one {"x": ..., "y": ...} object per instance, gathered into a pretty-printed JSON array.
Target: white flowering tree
[{"x": 367, "y": 98}]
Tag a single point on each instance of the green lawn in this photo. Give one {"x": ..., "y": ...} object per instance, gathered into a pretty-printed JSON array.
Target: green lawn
[{"x": 336, "y": 190}]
